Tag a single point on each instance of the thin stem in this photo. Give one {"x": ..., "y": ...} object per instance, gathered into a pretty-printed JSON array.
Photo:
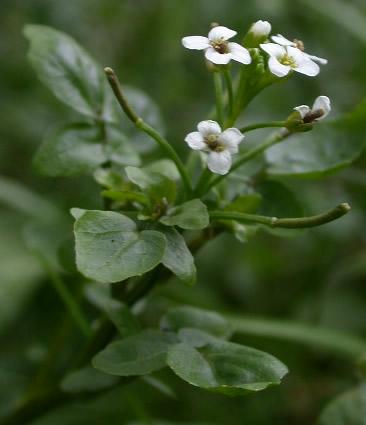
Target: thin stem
[
  {"x": 204, "y": 178},
  {"x": 247, "y": 156},
  {"x": 139, "y": 123},
  {"x": 287, "y": 223},
  {"x": 230, "y": 91},
  {"x": 66, "y": 296},
  {"x": 328, "y": 339},
  {"x": 263, "y": 125},
  {"x": 219, "y": 97}
]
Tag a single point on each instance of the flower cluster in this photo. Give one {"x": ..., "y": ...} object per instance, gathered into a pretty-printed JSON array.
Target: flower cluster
[{"x": 284, "y": 57}]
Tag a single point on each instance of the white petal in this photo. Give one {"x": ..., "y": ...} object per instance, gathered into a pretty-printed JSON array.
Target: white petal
[
  {"x": 218, "y": 58},
  {"x": 304, "y": 64},
  {"x": 273, "y": 49},
  {"x": 261, "y": 28},
  {"x": 322, "y": 103},
  {"x": 283, "y": 41},
  {"x": 195, "y": 42},
  {"x": 239, "y": 53},
  {"x": 219, "y": 162},
  {"x": 231, "y": 138},
  {"x": 308, "y": 67},
  {"x": 277, "y": 68},
  {"x": 318, "y": 60},
  {"x": 195, "y": 141},
  {"x": 303, "y": 110},
  {"x": 206, "y": 128},
  {"x": 221, "y": 33}
]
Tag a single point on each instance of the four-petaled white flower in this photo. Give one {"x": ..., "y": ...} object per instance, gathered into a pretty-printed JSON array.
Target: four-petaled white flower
[
  {"x": 217, "y": 48},
  {"x": 284, "y": 59},
  {"x": 283, "y": 41},
  {"x": 261, "y": 28},
  {"x": 219, "y": 145},
  {"x": 319, "y": 111}
]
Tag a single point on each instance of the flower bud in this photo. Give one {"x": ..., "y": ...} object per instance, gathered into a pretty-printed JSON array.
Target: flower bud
[
  {"x": 257, "y": 34},
  {"x": 261, "y": 29}
]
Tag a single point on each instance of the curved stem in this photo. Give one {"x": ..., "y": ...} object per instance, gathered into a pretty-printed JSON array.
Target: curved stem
[
  {"x": 328, "y": 339},
  {"x": 247, "y": 156},
  {"x": 287, "y": 223},
  {"x": 219, "y": 97},
  {"x": 139, "y": 123},
  {"x": 269, "y": 124}
]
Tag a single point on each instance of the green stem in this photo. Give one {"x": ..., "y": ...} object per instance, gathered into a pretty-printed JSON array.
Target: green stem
[
  {"x": 245, "y": 157},
  {"x": 287, "y": 223},
  {"x": 204, "y": 178},
  {"x": 139, "y": 123},
  {"x": 230, "y": 91},
  {"x": 328, "y": 339},
  {"x": 270, "y": 124},
  {"x": 66, "y": 296},
  {"x": 219, "y": 97}
]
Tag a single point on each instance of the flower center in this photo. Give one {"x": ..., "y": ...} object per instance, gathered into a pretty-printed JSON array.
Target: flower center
[
  {"x": 220, "y": 45},
  {"x": 212, "y": 141},
  {"x": 288, "y": 60}
]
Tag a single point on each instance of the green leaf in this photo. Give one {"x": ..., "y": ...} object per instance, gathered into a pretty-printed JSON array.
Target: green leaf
[
  {"x": 73, "y": 150},
  {"x": 166, "y": 167},
  {"x": 191, "y": 317},
  {"x": 226, "y": 367},
  {"x": 140, "y": 354},
  {"x": 87, "y": 379},
  {"x": 78, "y": 149},
  {"x": 245, "y": 203},
  {"x": 110, "y": 249},
  {"x": 347, "y": 409},
  {"x": 329, "y": 147},
  {"x": 191, "y": 215},
  {"x": 157, "y": 185},
  {"x": 70, "y": 72},
  {"x": 177, "y": 256},
  {"x": 119, "y": 149},
  {"x": 109, "y": 178}
]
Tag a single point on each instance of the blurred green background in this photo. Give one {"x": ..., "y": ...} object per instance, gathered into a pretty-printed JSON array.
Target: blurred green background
[{"x": 317, "y": 277}]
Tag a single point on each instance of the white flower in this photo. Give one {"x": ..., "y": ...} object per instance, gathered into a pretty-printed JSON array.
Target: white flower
[
  {"x": 219, "y": 145},
  {"x": 261, "y": 29},
  {"x": 284, "y": 59},
  {"x": 217, "y": 47},
  {"x": 280, "y": 39},
  {"x": 319, "y": 111}
]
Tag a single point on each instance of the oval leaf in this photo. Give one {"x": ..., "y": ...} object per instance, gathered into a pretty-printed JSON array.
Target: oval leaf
[
  {"x": 70, "y": 72},
  {"x": 110, "y": 249},
  {"x": 226, "y": 367},
  {"x": 136, "y": 355}
]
